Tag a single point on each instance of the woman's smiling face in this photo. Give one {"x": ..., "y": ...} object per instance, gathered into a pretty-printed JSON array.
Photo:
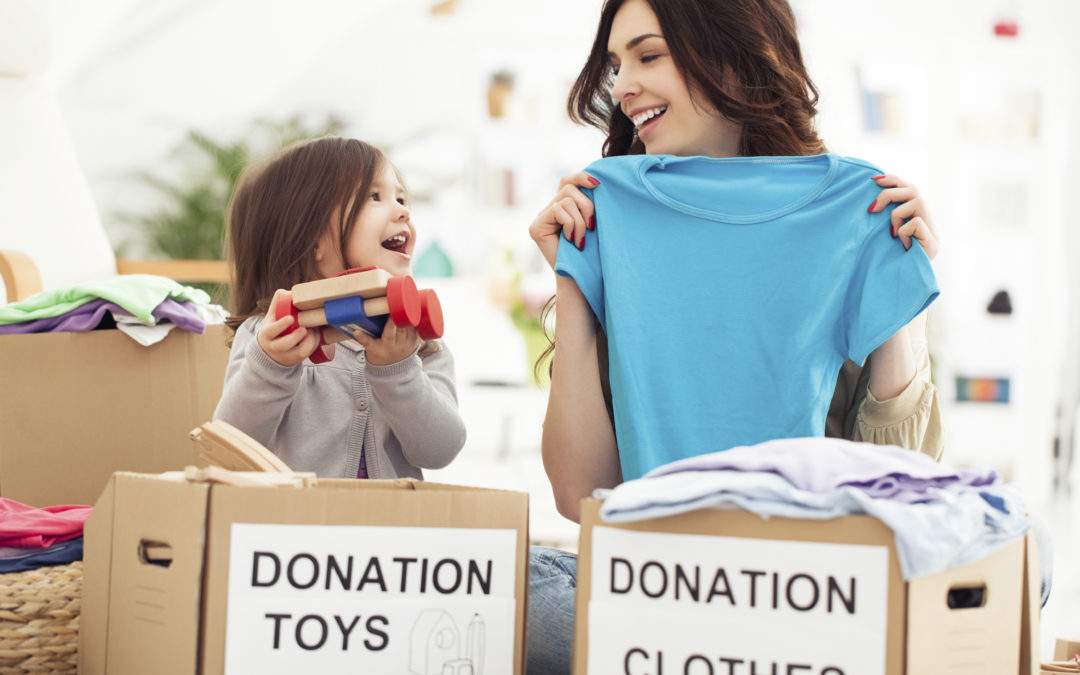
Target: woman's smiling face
[{"x": 652, "y": 92}]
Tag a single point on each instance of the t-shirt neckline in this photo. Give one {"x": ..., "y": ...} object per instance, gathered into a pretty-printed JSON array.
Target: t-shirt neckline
[{"x": 660, "y": 161}]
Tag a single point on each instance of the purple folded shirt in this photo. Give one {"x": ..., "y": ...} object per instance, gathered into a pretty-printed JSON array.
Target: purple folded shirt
[
  {"x": 824, "y": 464},
  {"x": 90, "y": 315}
]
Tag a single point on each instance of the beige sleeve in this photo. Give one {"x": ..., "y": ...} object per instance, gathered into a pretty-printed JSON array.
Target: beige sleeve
[{"x": 912, "y": 419}]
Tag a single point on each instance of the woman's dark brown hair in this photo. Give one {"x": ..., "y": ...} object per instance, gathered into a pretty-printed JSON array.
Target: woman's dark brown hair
[
  {"x": 280, "y": 210},
  {"x": 754, "y": 41}
]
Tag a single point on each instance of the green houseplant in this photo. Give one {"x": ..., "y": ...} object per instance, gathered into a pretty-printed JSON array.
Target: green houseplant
[{"x": 189, "y": 222}]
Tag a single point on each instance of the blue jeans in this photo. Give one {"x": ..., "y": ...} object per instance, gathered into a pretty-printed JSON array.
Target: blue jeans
[{"x": 550, "y": 626}]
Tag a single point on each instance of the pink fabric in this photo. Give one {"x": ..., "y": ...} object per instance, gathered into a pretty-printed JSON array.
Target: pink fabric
[{"x": 22, "y": 525}]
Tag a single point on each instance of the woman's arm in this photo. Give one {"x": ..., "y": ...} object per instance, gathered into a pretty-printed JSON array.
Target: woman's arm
[
  {"x": 578, "y": 445},
  {"x": 895, "y": 401},
  {"x": 912, "y": 419},
  {"x": 894, "y": 366}
]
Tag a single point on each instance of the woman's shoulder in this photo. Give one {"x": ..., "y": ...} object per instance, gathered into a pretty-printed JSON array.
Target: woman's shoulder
[
  {"x": 857, "y": 165},
  {"x": 618, "y": 164}
]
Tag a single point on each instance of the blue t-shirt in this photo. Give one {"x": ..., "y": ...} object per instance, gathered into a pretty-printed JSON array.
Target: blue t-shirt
[{"x": 732, "y": 290}]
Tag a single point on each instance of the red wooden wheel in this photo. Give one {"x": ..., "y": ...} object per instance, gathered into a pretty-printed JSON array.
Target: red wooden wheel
[
  {"x": 284, "y": 307},
  {"x": 404, "y": 301},
  {"x": 431, "y": 319}
]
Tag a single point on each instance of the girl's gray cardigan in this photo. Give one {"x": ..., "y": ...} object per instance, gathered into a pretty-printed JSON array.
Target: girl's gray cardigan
[{"x": 318, "y": 417}]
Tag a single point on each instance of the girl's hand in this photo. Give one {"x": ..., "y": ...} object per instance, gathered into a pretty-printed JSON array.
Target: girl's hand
[
  {"x": 396, "y": 343},
  {"x": 569, "y": 215},
  {"x": 910, "y": 219},
  {"x": 287, "y": 350}
]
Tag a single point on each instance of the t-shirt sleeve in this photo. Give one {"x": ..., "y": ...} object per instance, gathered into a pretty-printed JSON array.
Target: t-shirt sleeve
[
  {"x": 889, "y": 287},
  {"x": 585, "y": 269}
]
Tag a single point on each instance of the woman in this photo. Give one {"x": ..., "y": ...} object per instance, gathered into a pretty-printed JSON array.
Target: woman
[{"x": 716, "y": 78}]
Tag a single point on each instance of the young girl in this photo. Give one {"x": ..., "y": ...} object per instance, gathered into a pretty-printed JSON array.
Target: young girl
[{"x": 381, "y": 407}]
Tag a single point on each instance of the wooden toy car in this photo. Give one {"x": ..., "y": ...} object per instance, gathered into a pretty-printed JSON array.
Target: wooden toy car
[{"x": 361, "y": 299}]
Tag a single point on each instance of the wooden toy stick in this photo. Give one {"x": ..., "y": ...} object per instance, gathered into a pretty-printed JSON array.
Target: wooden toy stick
[
  {"x": 366, "y": 283},
  {"x": 226, "y": 446},
  {"x": 332, "y": 335},
  {"x": 317, "y": 317},
  {"x": 218, "y": 475},
  {"x": 430, "y": 326}
]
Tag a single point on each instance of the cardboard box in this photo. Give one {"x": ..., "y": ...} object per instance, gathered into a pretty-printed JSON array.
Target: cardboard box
[
  {"x": 346, "y": 576},
  {"x": 731, "y": 593},
  {"x": 1066, "y": 650},
  {"x": 79, "y": 406}
]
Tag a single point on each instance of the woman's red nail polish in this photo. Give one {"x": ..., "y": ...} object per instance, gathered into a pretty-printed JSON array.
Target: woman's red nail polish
[
  {"x": 593, "y": 181},
  {"x": 892, "y": 229},
  {"x": 872, "y": 205},
  {"x": 592, "y": 222},
  {"x": 877, "y": 177},
  {"x": 581, "y": 244}
]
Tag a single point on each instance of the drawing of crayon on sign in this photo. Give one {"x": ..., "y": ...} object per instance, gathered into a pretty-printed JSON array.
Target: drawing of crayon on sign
[{"x": 436, "y": 647}]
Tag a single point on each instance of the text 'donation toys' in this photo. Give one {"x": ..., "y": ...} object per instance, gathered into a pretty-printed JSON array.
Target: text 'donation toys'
[{"x": 361, "y": 299}]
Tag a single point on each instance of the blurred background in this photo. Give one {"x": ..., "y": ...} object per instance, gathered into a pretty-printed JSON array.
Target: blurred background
[{"x": 124, "y": 122}]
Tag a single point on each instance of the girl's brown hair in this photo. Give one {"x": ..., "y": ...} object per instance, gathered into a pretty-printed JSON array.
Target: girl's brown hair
[
  {"x": 772, "y": 96},
  {"x": 280, "y": 210}
]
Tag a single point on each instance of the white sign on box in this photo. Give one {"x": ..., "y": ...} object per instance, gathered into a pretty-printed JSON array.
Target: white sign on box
[
  {"x": 674, "y": 604},
  {"x": 343, "y": 598}
]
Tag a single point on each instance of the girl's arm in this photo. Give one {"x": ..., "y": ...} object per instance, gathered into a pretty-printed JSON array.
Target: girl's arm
[
  {"x": 257, "y": 389},
  {"x": 418, "y": 399},
  {"x": 578, "y": 445}
]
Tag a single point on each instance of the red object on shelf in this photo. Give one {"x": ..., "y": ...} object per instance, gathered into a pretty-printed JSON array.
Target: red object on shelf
[{"x": 1006, "y": 29}]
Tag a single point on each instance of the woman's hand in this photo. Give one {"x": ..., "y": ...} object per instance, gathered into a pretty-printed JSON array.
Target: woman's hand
[
  {"x": 286, "y": 349},
  {"x": 910, "y": 219},
  {"x": 395, "y": 344},
  {"x": 569, "y": 215},
  {"x": 893, "y": 362}
]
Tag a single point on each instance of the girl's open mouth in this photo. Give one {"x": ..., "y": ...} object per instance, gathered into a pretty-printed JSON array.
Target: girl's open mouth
[{"x": 397, "y": 243}]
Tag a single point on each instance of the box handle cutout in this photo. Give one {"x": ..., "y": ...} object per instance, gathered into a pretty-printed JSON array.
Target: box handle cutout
[
  {"x": 155, "y": 553},
  {"x": 966, "y": 597}
]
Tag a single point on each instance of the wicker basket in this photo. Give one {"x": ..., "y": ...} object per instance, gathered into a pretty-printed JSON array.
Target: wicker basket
[{"x": 39, "y": 619}]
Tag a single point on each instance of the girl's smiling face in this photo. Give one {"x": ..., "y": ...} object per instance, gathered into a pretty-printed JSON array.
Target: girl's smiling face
[
  {"x": 652, "y": 92},
  {"x": 383, "y": 234}
]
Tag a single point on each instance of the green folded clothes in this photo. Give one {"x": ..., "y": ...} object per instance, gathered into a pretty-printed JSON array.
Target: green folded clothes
[{"x": 137, "y": 293}]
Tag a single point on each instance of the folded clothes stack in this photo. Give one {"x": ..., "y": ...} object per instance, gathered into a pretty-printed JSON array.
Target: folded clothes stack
[
  {"x": 144, "y": 306},
  {"x": 35, "y": 537},
  {"x": 942, "y": 516}
]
